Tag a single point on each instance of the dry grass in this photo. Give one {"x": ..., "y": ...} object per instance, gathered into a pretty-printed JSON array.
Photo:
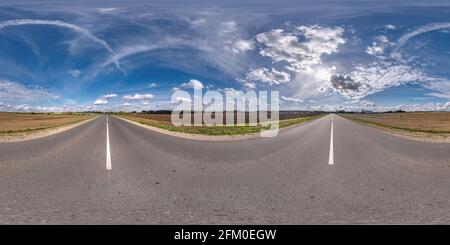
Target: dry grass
[
  {"x": 11, "y": 123},
  {"x": 421, "y": 122}
]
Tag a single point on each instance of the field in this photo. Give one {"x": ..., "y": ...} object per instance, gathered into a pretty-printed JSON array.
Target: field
[
  {"x": 13, "y": 123},
  {"x": 164, "y": 121},
  {"x": 437, "y": 123}
]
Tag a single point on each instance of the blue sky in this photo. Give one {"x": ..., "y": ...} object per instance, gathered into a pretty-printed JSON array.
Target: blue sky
[{"x": 131, "y": 55}]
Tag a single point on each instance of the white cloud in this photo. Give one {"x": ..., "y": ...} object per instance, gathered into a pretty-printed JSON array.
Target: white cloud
[
  {"x": 31, "y": 108},
  {"x": 386, "y": 73},
  {"x": 425, "y": 107},
  {"x": 302, "y": 48},
  {"x": 181, "y": 99},
  {"x": 267, "y": 76},
  {"x": 447, "y": 105},
  {"x": 198, "y": 22},
  {"x": 75, "y": 72},
  {"x": 138, "y": 97},
  {"x": 241, "y": 45},
  {"x": 10, "y": 90},
  {"x": 298, "y": 55},
  {"x": 108, "y": 10},
  {"x": 374, "y": 49},
  {"x": 228, "y": 27},
  {"x": 124, "y": 107},
  {"x": 23, "y": 107},
  {"x": 34, "y": 108},
  {"x": 439, "y": 95},
  {"x": 109, "y": 96},
  {"x": 103, "y": 99},
  {"x": 296, "y": 52},
  {"x": 153, "y": 85},
  {"x": 378, "y": 46},
  {"x": 440, "y": 86},
  {"x": 382, "y": 38},
  {"x": 379, "y": 76},
  {"x": 249, "y": 85},
  {"x": 291, "y": 99},
  {"x": 368, "y": 105},
  {"x": 390, "y": 27},
  {"x": 306, "y": 86},
  {"x": 195, "y": 84},
  {"x": 101, "y": 102},
  {"x": 368, "y": 79}
]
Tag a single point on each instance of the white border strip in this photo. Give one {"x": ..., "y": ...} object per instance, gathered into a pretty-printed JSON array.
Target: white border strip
[
  {"x": 331, "y": 156},
  {"x": 108, "y": 149}
]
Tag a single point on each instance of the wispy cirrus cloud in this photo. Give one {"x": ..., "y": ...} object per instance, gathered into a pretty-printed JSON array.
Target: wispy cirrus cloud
[
  {"x": 121, "y": 54},
  {"x": 59, "y": 23},
  {"x": 418, "y": 31}
]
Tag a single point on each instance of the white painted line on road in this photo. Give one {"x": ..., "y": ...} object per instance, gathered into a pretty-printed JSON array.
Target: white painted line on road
[
  {"x": 108, "y": 149},
  {"x": 331, "y": 156}
]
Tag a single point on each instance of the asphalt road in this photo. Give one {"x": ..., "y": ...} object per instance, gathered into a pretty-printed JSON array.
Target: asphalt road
[{"x": 159, "y": 179}]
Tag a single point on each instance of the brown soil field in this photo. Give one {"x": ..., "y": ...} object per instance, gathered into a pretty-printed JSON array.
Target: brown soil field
[
  {"x": 27, "y": 122},
  {"x": 425, "y": 122}
]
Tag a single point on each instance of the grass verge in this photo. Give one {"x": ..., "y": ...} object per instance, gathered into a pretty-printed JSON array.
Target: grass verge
[{"x": 215, "y": 130}]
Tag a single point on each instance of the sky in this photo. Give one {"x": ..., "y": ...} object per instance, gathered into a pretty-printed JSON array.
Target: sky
[{"x": 131, "y": 55}]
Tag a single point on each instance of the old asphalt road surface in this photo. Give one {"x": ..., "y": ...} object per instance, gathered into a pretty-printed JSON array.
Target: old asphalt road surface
[{"x": 330, "y": 170}]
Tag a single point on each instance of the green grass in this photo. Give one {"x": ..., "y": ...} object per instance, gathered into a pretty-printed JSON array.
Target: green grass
[
  {"x": 217, "y": 130},
  {"x": 406, "y": 129},
  {"x": 294, "y": 121}
]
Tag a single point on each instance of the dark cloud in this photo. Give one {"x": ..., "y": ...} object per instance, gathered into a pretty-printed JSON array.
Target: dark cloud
[{"x": 344, "y": 82}]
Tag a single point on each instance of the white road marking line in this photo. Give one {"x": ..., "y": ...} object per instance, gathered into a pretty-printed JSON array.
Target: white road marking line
[
  {"x": 331, "y": 156},
  {"x": 108, "y": 149}
]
